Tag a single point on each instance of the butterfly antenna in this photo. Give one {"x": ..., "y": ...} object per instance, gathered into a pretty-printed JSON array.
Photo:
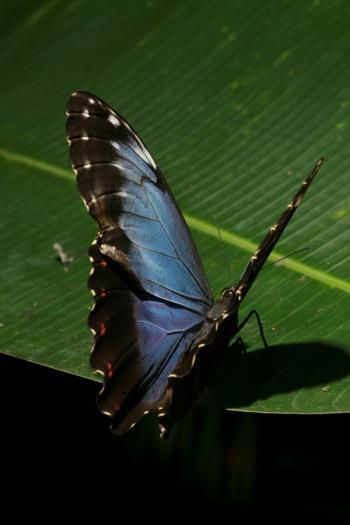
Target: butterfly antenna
[
  {"x": 257, "y": 260},
  {"x": 223, "y": 251},
  {"x": 287, "y": 256}
]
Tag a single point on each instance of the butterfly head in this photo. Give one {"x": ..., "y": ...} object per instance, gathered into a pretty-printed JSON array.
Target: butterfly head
[
  {"x": 225, "y": 306},
  {"x": 229, "y": 300}
]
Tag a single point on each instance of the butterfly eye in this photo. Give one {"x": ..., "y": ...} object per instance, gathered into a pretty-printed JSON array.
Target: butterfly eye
[{"x": 227, "y": 293}]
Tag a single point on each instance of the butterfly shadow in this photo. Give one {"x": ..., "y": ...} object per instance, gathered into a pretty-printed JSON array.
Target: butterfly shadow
[{"x": 246, "y": 379}]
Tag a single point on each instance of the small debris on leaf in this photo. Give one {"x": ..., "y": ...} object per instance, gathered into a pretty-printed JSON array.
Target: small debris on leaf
[{"x": 61, "y": 256}]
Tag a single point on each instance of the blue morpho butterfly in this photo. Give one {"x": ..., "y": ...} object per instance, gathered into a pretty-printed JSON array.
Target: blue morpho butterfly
[{"x": 159, "y": 335}]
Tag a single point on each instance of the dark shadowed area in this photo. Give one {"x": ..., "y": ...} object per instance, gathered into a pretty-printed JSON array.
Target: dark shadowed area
[{"x": 58, "y": 452}]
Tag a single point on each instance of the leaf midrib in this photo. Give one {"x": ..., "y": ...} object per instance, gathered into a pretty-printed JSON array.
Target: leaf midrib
[{"x": 202, "y": 226}]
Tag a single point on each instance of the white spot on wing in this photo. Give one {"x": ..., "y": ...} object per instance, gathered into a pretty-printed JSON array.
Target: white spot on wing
[
  {"x": 115, "y": 145},
  {"x": 114, "y": 120},
  {"x": 106, "y": 413},
  {"x": 86, "y": 113}
]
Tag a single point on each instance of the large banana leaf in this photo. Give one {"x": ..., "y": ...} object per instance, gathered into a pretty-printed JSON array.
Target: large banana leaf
[{"x": 236, "y": 100}]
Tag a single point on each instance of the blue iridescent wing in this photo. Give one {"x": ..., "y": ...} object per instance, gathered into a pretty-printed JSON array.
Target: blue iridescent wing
[{"x": 151, "y": 293}]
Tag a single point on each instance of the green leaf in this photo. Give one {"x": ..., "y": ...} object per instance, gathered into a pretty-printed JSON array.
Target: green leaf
[{"x": 236, "y": 103}]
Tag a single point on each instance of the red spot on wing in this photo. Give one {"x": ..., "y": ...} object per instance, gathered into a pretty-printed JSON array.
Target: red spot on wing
[
  {"x": 102, "y": 293},
  {"x": 103, "y": 264},
  {"x": 102, "y": 329},
  {"x": 109, "y": 371}
]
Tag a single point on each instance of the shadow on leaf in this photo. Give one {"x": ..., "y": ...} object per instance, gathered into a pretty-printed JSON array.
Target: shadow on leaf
[{"x": 285, "y": 369}]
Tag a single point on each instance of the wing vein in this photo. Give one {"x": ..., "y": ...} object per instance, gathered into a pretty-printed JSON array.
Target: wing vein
[{"x": 189, "y": 270}]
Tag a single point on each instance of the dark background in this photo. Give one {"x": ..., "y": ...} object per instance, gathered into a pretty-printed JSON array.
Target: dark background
[{"x": 58, "y": 454}]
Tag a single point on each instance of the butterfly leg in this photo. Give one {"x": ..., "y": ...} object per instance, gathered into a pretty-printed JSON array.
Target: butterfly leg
[
  {"x": 240, "y": 345},
  {"x": 261, "y": 330}
]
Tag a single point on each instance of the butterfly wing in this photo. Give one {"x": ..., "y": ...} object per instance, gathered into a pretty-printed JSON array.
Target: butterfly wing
[{"x": 151, "y": 293}]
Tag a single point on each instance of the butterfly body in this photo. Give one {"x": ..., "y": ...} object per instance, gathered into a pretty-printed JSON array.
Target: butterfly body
[{"x": 159, "y": 334}]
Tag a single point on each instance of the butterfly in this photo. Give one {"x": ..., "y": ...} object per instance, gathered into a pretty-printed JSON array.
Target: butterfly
[{"x": 159, "y": 334}]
